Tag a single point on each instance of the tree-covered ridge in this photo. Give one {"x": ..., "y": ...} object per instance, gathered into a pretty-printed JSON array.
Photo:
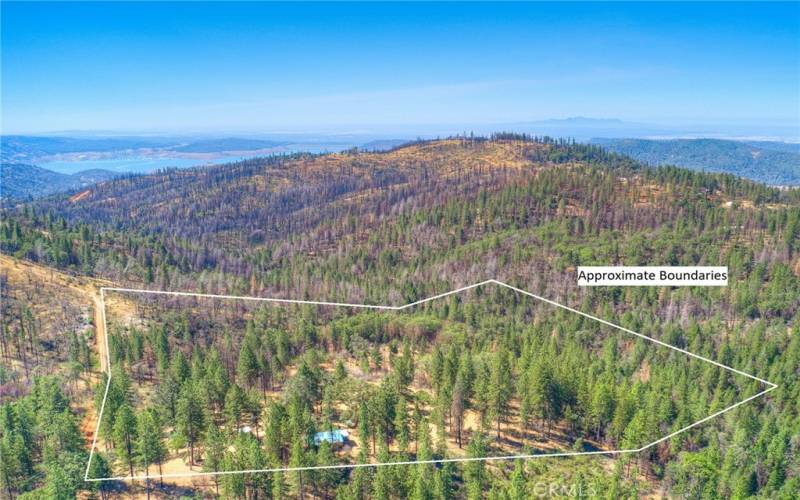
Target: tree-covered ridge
[
  {"x": 219, "y": 219},
  {"x": 771, "y": 163},
  {"x": 527, "y": 221}
]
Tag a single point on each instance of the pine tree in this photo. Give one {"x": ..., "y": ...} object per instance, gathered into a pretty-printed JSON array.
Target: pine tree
[
  {"x": 518, "y": 489},
  {"x": 190, "y": 418},
  {"x": 381, "y": 487},
  {"x": 501, "y": 387},
  {"x": 214, "y": 452},
  {"x": 11, "y": 467},
  {"x": 297, "y": 458},
  {"x": 234, "y": 407},
  {"x": 364, "y": 430},
  {"x": 179, "y": 367},
  {"x": 327, "y": 478},
  {"x": 401, "y": 427},
  {"x": 149, "y": 446},
  {"x": 247, "y": 368},
  {"x": 125, "y": 436},
  {"x": 99, "y": 468},
  {"x": 475, "y": 471},
  {"x": 279, "y": 488},
  {"x": 233, "y": 485}
]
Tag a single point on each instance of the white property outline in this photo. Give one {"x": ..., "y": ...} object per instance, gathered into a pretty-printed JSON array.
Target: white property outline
[{"x": 770, "y": 385}]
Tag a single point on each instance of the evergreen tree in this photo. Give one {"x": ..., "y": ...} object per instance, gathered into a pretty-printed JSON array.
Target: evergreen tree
[
  {"x": 149, "y": 446},
  {"x": 501, "y": 387},
  {"x": 475, "y": 471},
  {"x": 214, "y": 453},
  {"x": 518, "y": 489},
  {"x": 125, "y": 436},
  {"x": 190, "y": 418}
]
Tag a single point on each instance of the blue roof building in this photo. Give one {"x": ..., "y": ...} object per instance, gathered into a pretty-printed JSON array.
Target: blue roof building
[{"x": 334, "y": 437}]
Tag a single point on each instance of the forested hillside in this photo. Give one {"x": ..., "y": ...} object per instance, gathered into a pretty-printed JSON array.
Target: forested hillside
[
  {"x": 20, "y": 182},
  {"x": 425, "y": 218},
  {"x": 773, "y": 163}
]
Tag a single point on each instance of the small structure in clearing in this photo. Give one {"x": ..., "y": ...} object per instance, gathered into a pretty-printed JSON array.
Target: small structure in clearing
[{"x": 336, "y": 437}]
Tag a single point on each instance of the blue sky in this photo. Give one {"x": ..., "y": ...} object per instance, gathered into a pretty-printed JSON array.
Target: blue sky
[{"x": 311, "y": 67}]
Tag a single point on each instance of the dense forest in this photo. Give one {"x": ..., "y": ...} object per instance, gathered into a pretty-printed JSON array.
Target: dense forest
[
  {"x": 774, "y": 163},
  {"x": 484, "y": 374},
  {"x": 395, "y": 227}
]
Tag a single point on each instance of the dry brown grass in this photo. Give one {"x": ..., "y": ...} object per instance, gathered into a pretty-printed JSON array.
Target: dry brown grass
[{"x": 59, "y": 301}]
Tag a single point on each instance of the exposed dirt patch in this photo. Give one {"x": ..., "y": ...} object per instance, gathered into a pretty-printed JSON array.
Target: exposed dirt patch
[
  {"x": 50, "y": 292},
  {"x": 79, "y": 196}
]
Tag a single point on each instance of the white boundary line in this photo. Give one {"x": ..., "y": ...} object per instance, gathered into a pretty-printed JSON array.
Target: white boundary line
[{"x": 771, "y": 386}]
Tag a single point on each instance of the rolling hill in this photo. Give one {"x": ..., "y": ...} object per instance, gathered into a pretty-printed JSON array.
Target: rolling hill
[
  {"x": 19, "y": 181},
  {"x": 772, "y": 163},
  {"x": 23, "y": 148},
  {"x": 431, "y": 211}
]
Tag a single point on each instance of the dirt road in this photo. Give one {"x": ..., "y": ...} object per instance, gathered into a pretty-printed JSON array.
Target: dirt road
[
  {"x": 86, "y": 287},
  {"x": 100, "y": 332},
  {"x": 83, "y": 290}
]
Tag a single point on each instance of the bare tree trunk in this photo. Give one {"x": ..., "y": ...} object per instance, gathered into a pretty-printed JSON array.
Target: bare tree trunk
[
  {"x": 130, "y": 462},
  {"x": 147, "y": 480},
  {"x": 301, "y": 494}
]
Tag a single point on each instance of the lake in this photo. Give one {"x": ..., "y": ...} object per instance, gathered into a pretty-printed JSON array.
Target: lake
[
  {"x": 145, "y": 164},
  {"x": 129, "y": 165}
]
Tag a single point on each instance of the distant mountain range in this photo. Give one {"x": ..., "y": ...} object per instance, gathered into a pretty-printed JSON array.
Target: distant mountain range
[
  {"x": 33, "y": 149},
  {"x": 20, "y": 182},
  {"x": 25, "y": 148},
  {"x": 774, "y": 163},
  {"x": 382, "y": 144},
  {"x": 227, "y": 144},
  {"x": 40, "y": 149}
]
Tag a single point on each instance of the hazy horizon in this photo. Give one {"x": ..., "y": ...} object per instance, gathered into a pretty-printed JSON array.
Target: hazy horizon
[
  {"x": 383, "y": 69},
  {"x": 574, "y": 126}
]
